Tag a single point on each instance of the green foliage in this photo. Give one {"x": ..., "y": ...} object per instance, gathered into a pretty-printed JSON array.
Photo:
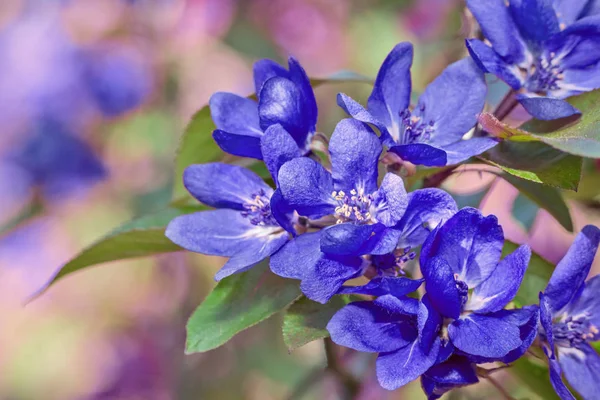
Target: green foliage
[
  {"x": 536, "y": 278},
  {"x": 546, "y": 197},
  {"x": 141, "y": 237},
  {"x": 237, "y": 303},
  {"x": 306, "y": 320}
]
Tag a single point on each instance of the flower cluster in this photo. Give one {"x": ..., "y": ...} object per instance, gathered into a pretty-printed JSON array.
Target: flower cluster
[{"x": 334, "y": 217}]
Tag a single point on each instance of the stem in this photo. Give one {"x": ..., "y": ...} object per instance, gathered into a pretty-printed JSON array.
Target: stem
[
  {"x": 508, "y": 103},
  {"x": 499, "y": 387},
  {"x": 350, "y": 384},
  {"x": 438, "y": 178}
]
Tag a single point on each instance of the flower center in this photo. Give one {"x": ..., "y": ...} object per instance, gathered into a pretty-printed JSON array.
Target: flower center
[
  {"x": 258, "y": 210},
  {"x": 574, "y": 330},
  {"x": 354, "y": 207},
  {"x": 392, "y": 264},
  {"x": 544, "y": 75},
  {"x": 415, "y": 128}
]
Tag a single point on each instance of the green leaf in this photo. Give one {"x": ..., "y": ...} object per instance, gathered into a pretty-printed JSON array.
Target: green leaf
[
  {"x": 196, "y": 146},
  {"x": 537, "y": 162},
  {"x": 546, "y": 197},
  {"x": 237, "y": 303},
  {"x": 535, "y": 376},
  {"x": 141, "y": 237},
  {"x": 306, "y": 320},
  {"x": 536, "y": 277},
  {"x": 525, "y": 211}
]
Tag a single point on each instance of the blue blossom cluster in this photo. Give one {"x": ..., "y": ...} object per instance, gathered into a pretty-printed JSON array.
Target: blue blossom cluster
[{"x": 338, "y": 215}]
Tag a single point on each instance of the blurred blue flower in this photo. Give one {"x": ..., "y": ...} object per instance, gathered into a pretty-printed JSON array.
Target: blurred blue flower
[
  {"x": 570, "y": 319},
  {"x": 285, "y": 97},
  {"x": 468, "y": 286},
  {"x": 534, "y": 54},
  {"x": 360, "y": 218},
  {"x": 432, "y": 133}
]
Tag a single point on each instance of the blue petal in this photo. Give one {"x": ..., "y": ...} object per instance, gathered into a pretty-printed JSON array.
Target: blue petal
[
  {"x": 568, "y": 11},
  {"x": 277, "y": 148},
  {"x": 223, "y": 185},
  {"x": 384, "y": 241},
  {"x": 527, "y": 319},
  {"x": 217, "y": 232},
  {"x": 266, "y": 69},
  {"x": 546, "y": 108},
  {"x": 238, "y": 145},
  {"x": 355, "y": 151},
  {"x": 582, "y": 80},
  {"x": 281, "y": 102},
  {"x": 557, "y": 383},
  {"x": 502, "y": 285},
  {"x": 427, "y": 208},
  {"x": 488, "y": 60},
  {"x": 391, "y": 92},
  {"x": 298, "y": 257},
  {"x": 366, "y": 326},
  {"x": 581, "y": 367},
  {"x": 484, "y": 335},
  {"x": 380, "y": 286},
  {"x": 328, "y": 276},
  {"x": 393, "y": 198},
  {"x": 358, "y": 112},
  {"x": 307, "y": 187},
  {"x": 462, "y": 150},
  {"x": 235, "y": 114},
  {"x": 499, "y": 28},
  {"x": 396, "y": 369},
  {"x": 588, "y": 302},
  {"x": 471, "y": 244},
  {"x": 347, "y": 239},
  {"x": 253, "y": 252},
  {"x": 571, "y": 271},
  {"x": 453, "y": 101},
  {"x": 421, "y": 154},
  {"x": 429, "y": 322},
  {"x": 302, "y": 82},
  {"x": 454, "y": 373},
  {"x": 282, "y": 212},
  {"x": 405, "y": 305},
  {"x": 536, "y": 19},
  {"x": 546, "y": 315},
  {"x": 441, "y": 287},
  {"x": 577, "y": 45}
]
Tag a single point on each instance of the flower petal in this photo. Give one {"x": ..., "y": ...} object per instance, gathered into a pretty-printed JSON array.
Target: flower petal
[
  {"x": 307, "y": 187},
  {"x": 453, "y": 101},
  {"x": 421, "y": 154},
  {"x": 568, "y": 11},
  {"x": 488, "y": 60},
  {"x": 347, "y": 239},
  {"x": 527, "y": 319},
  {"x": 456, "y": 372},
  {"x": 253, "y": 252},
  {"x": 328, "y": 276},
  {"x": 223, "y": 185},
  {"x": 216, "y": 232},
  {"x": 427, "y": 208},
  {"x": 471, "y": 244},
  {"x": 355, "y": 151},
  {"x": 546, "y": 108},
  {"x": 282, "y": 212},
  {"x": 391, "y": 91},
  {"x": 266, "y": 69},
  {"x": 581, "y": 367},
  {"x": 358, "y": 112},
  {"x": 462, "y": 150},
  {"x": 441, "y": 287},
  {"x": 380, "y": 286},
  {"x": 546, "y": 315},
  {"x": 536, "y": 19},
  {"x": 298, "y": 257},
  {"x": 571, "y": 271},
  {"x": 302, "y": 82},
  {"x": 235, "y": 114},
  {"x": 502, "y": 285},
  {"x": 277, "y": 147},
  {"x": 366, "y": 326},
  {"x": 394, "y": 199},
  {"x": 484, "y": 335},
  {"x": 557, "y": 383},
  {"x": 429, "y": 322},
  {"x": 238, "y": 144},
  {"x": 281, "y": 102},
  {"x": 588, "y": 302},
  {"x": 499, "y": 28},
  {"x": 396, "y": 369}
]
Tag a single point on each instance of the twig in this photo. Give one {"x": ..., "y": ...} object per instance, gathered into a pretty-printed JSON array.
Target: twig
[{"x": 508, "y": 103}]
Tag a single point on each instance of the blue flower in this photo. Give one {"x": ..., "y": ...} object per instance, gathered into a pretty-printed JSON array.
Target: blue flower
[
  {"x": 467, "y": 285},
  {"x": 360, "y": 219},
  {"x": 534, "y": 54},
  {"x": 285, "y": 97},
  {"x": 457, "y": 371},
  {"x": 432, "y": 133},
  {"x": 251, "y": 220},
  {"x": 570, "y": 319},
  {"x": 569, "y": 11},
  {"x": 389, "y": 326}
]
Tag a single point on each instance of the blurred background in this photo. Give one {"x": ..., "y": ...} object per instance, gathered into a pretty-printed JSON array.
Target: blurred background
[{"x": 94, "y": 95}]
